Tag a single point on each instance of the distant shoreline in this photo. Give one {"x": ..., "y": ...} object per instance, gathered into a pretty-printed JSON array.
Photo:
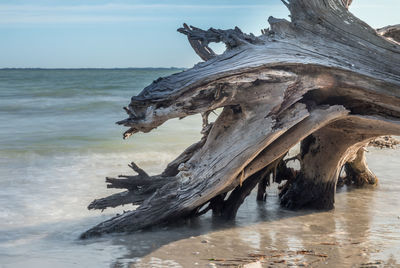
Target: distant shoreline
[{"x": 116, "y": 68}]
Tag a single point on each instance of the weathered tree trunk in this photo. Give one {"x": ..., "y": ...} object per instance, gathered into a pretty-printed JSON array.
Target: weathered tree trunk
[
  {"x": 325, "y": 79},
  {"x": 322, "y": 156}
]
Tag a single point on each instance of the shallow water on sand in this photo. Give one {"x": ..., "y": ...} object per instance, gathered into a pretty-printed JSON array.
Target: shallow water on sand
[
  {"x": 58, "y": 141},
  {"x": 362, "y": 231}
]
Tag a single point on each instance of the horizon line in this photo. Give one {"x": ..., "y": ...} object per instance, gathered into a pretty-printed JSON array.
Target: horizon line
[{"x": 87, "y": 68}]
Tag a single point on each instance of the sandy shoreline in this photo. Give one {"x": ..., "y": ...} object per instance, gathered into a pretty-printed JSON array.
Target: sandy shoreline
[
  {"x": 362, "y": 231},
  {"x": 310, "y": 240}
]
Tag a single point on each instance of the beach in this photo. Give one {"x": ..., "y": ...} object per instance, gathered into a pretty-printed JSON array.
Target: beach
[{"x": 59, "y": 140}]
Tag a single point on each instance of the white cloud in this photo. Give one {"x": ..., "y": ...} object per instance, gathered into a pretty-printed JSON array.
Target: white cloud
[
  {"x": 6, "y": 20},
  {"x": 114, "y": 7},
  {"x": 22, "y": 14}
]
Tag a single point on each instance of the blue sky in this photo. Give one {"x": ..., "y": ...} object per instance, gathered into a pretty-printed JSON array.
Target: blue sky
[{"x": 137, "y": 33}]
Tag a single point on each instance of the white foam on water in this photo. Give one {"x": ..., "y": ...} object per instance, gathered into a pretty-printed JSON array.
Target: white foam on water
[{"x": 59, "y": 187}]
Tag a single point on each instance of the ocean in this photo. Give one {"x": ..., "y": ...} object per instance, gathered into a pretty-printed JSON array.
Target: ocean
[{"x": 59, "y": 140}]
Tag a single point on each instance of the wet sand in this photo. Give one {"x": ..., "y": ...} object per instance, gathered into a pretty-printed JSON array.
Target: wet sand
[{"x": 363, "y": 231}]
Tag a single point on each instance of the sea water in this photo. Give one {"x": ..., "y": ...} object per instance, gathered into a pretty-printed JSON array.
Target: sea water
[{"x": 59, "y": 140}]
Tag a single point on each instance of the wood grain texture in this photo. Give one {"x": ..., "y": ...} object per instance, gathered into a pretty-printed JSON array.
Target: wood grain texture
[{"x": 324, "y": 76}]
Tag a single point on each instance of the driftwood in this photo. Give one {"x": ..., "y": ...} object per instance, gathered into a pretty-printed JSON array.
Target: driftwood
[
  {"x": 391, "y": 32},
  {"x": 325, "y": 79},
  {"x": 385, "y": 142}
]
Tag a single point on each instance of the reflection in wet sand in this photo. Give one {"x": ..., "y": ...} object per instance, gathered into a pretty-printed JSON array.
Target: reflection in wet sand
[{"x": 363, "y": 231}]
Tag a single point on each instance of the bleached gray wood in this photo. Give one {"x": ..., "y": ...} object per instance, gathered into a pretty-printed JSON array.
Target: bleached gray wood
[{"x": 321, "y": 75}]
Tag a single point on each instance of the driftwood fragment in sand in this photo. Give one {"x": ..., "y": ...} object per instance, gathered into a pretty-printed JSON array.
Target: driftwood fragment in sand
[{"x": 385, "y": 142}]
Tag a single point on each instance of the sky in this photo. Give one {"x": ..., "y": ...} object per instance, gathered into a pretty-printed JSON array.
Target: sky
[{"x": 136, "y": 33}]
